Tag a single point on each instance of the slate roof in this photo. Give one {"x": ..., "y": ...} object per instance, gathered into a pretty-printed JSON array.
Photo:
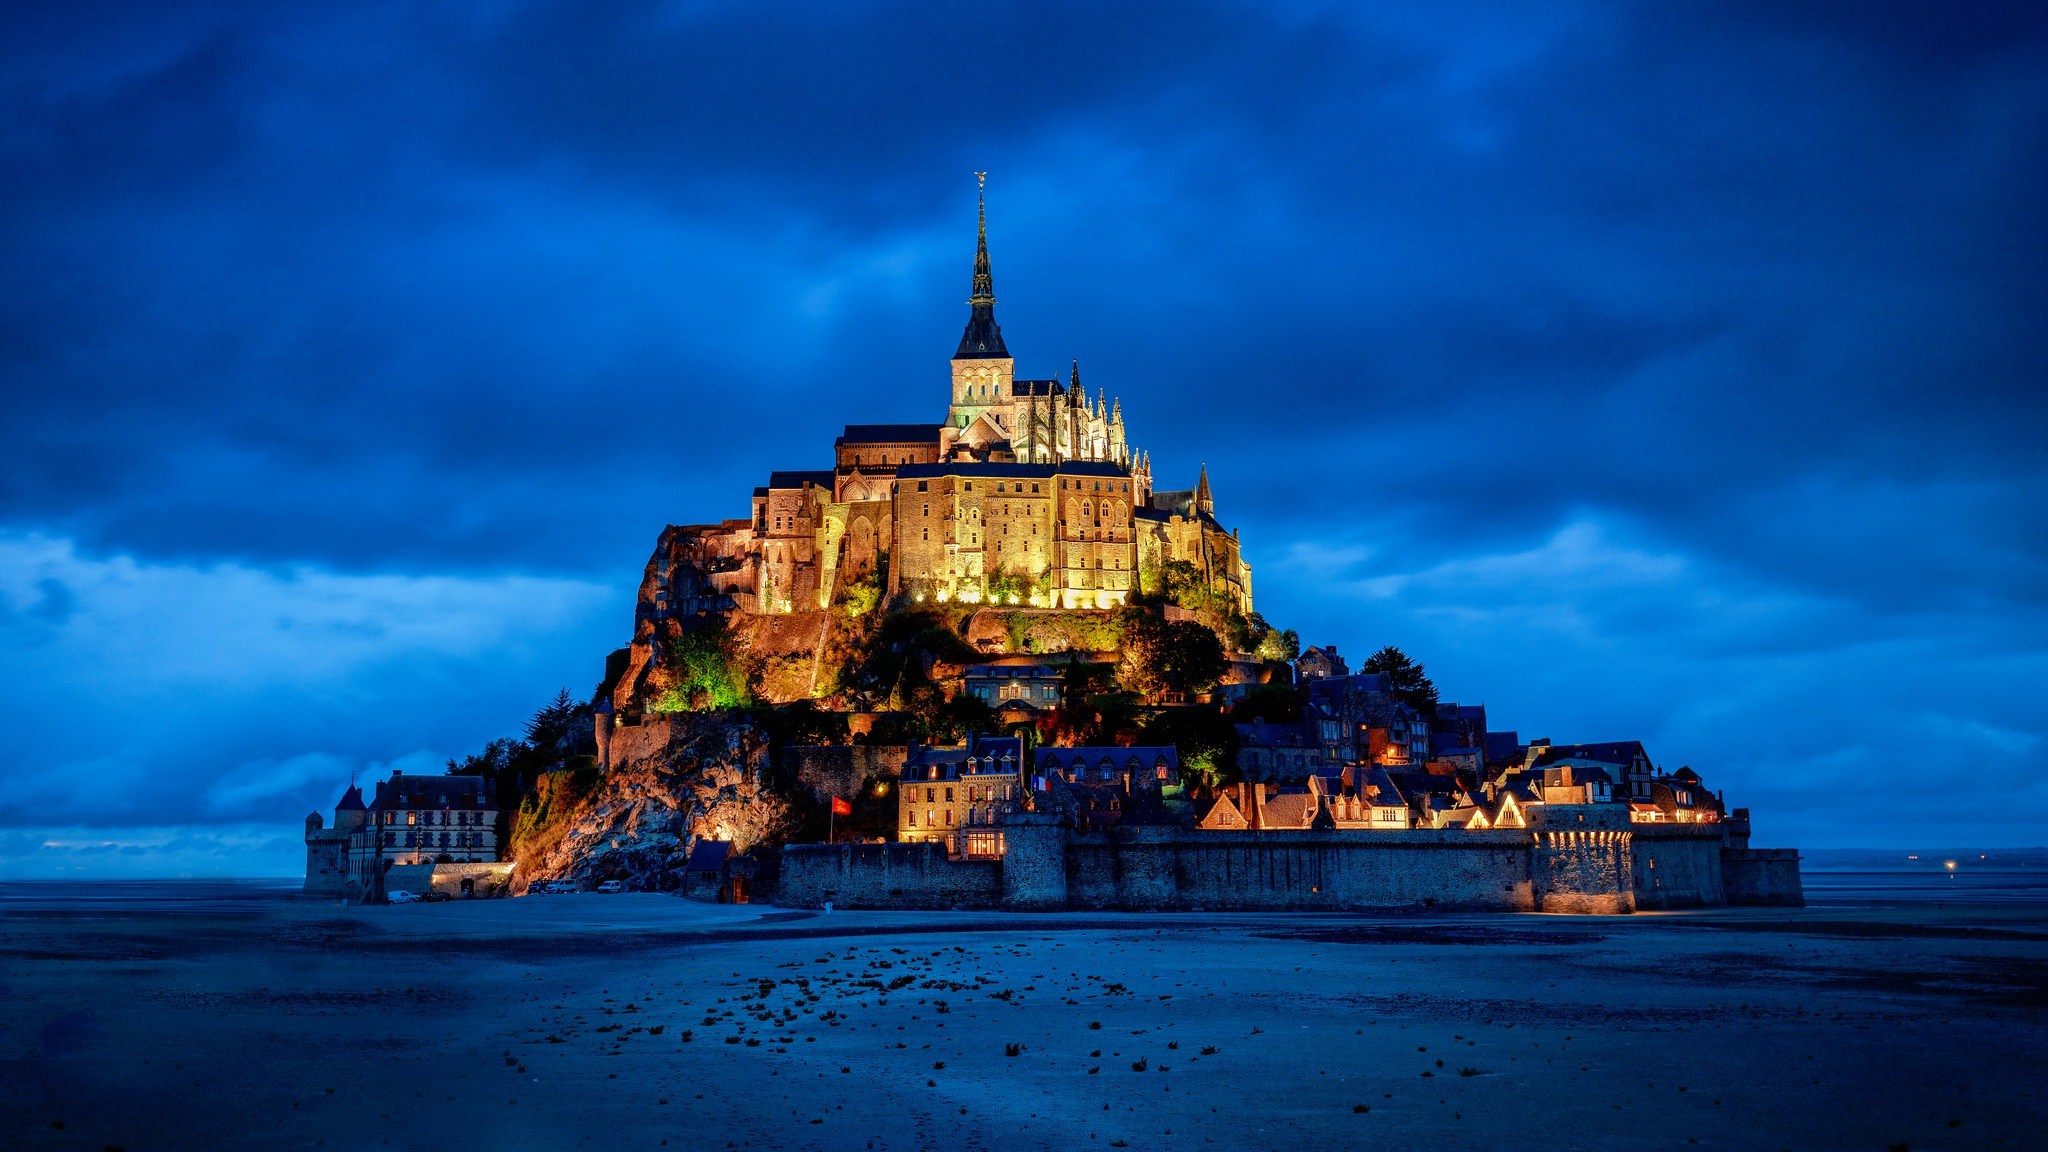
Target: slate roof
[
  {"x": 946, "y": 763},
  {"x": 788, "y": 480},
  {"x": 1139, "y": 760},
  {"x": 1260, "y": 734},
  {"x": 1037, "y": 388},
  {"x": 983, "y": 337},
  {"x": 1621, "y": 752},
  {"x": 708, "y": 856},
  {"x": 439, "y": 792},
  {"x": 1010, "y": 672},
  {"x": 1503, "y": 745},
  {"x": 976, "y": 469},
  {"x": 351, "y": 800},
  {"x": 888, "y": 434}
]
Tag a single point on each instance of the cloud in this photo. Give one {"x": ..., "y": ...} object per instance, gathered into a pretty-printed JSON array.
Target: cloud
[
  {"x": 1629, "y": 363},
  {"x": 224, "y": 692}
]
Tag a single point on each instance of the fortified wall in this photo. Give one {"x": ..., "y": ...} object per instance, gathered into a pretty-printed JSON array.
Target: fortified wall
[{"x": 1583, "y": 859}]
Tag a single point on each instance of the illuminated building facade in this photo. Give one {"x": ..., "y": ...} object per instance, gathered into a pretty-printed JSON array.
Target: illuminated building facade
[{"x": 1027, "y": 493}]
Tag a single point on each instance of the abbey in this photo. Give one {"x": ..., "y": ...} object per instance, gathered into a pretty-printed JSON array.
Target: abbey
[{"x": 1028, "y": 493}]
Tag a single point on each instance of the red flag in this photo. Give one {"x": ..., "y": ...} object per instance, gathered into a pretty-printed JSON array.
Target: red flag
[{"x": 841, "y": 807}]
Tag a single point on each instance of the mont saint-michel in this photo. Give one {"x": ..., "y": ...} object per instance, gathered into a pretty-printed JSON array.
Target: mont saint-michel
[{"x": 985, "y": 662}]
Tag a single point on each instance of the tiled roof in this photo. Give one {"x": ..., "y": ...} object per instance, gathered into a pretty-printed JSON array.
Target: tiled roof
[{"x": 788, "y": 480}]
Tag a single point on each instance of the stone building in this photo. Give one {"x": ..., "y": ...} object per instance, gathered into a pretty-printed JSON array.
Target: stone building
[
  {"x": 1028, "y": 493},
  {"x": 957, "y": 796},
  {"x": 410, "y": 820}
]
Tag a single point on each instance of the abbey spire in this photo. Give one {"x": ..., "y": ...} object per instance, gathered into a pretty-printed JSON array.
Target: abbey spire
[{"x": 983, "y": 339}]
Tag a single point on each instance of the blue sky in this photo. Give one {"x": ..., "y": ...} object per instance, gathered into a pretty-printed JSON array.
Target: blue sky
[{"x": 1670, "y": 372}]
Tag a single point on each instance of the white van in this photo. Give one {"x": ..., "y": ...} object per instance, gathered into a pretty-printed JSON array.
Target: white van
[{"x": 612, "y": 886}]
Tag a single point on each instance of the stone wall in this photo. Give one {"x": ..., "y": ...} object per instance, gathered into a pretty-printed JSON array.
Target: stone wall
[
  {"x": 1677, "y": 866},
  {"x": 1582, "y": 861},
  {"x": 1591, "y": 866},
  {"x": 1762, "y": 876},
  {"x": 886, "y": 876},
  {"x": 483, "y": 880},
  {"x": 1449, "y": 869},
  {"x": 842, "y": 769}
]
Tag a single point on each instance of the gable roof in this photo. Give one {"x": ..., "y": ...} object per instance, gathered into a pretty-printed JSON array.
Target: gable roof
[
  {"x": 1621, "y": 752},
  {"x": 708, "y": 856}
]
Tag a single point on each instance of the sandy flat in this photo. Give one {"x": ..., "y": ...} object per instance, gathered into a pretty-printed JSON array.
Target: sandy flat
[{"x": 642, "y": 1022}]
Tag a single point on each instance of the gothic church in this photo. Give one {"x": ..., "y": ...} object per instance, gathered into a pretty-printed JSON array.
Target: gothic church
[{"x": 1028, "y": 494}]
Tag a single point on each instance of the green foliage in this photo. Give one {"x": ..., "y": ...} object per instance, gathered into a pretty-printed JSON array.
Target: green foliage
[
  {"x": 1280, "y": 647},
  {"x": 705, "y": 667},
  {"x": 1274, "y": 703},
  {"x": 548, "y": 730},
  {"x": 1207, "y": 741},
  {"x": 861, "y": 597},
  {"x": 1405, "y": 678},
  {"x": 1159, "y": 655},
  {"x": 1250, "y": 633},
  {"x": 941, "y": 721},
  {"x": 545, "y": 810},
  {"x": 1092, "y": 709},
  {"x": 1007, "y": 587},
  {"x": 1182, "y": 584}
]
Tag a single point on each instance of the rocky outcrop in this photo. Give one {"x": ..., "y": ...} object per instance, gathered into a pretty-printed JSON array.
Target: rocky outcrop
[{"x": 673, "y": 781}]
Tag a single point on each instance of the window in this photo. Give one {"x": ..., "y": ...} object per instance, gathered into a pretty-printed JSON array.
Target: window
[
  {"x": 949, "y": 795},
  {"x": 949, "y": 824},
  {"x": 930, "y": 795},
  {"x": 921, "y": 488},
  {"x": 912, "y": 814}
]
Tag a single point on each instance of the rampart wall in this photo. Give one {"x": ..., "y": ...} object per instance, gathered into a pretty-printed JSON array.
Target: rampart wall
[
  {"x": 886, "y": 876},
  {"x": 1594, "y": 865},
  {"x": 1677, "y": 866},
  {"x": 1762, "y": 876},
  {"x": 1165, "y": 868}
]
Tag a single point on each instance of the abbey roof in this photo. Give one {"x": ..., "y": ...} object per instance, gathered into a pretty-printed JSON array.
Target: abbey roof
[
  {"x": 1029, "y": 471},
  {"x": 889, "y": 434}
]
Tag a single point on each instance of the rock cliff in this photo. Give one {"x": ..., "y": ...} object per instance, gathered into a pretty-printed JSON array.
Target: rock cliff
[{"x": 673, "y": 781}]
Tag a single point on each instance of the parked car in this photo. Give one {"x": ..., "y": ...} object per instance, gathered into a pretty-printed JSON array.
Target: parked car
[
  {"x": 401, "y": 896},
  {"x": 436, "y": 898},
  {"x": 612, "y": 886},
  {"x": 561, "y": 887}
]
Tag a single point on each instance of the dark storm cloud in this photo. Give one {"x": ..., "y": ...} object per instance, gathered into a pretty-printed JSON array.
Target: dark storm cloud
[{"x": 1703, "y": 340}]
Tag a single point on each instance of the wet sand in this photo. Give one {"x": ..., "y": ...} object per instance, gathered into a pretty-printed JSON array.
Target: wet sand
[{"x": 643, "y": 1022}]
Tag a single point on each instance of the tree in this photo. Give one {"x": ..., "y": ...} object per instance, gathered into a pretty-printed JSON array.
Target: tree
[
  {"x": 705, "y": 667},
  {"x": 1170, "y": 654},
  {"x": 1206, "y": 740},
  {"x": 1405, "y": 679},
  {"x": 1280, "y": 647},
  {"x": 1274, "y": 703},
  {"x": 548, "y": 730}
]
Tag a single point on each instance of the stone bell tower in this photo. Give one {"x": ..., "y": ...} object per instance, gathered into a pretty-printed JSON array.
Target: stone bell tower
[{"x": 982, "y": 368}]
